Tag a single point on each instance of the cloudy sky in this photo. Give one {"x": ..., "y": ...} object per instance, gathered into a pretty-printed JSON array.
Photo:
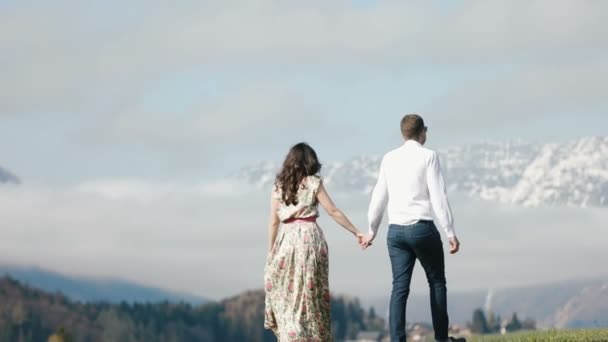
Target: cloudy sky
[
  {"x": 189, "y": 89},
  {"x": 119, "y": 117}
]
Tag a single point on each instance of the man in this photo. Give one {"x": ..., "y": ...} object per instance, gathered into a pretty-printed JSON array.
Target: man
[{"x": 410, "y": 183}]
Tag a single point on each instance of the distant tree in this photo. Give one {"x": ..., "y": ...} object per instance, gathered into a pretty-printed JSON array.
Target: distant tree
[
  {"x": 493, "y": 322},
  {"x": 338, "y": 312},
  {"x": 514, "y": 324},
  {"x": 479, "y": 324},
  {"x": 498, "y": 324},
  {"x": 528, "y": 324},
  {"x": 374, "y": 323},
  {"x": 372, "y": 313},
  {"x": 32, "y": 315}
]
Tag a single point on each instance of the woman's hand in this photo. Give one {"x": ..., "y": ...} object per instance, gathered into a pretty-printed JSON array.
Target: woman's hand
[
  {"x": 366, "y": 241},
  {"x": 363, "y": 241}
]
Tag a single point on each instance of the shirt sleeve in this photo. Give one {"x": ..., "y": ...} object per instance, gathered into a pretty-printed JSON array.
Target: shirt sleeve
[
  {"x": 378, "y": 202},
  {"x": 439, "y": 197}
]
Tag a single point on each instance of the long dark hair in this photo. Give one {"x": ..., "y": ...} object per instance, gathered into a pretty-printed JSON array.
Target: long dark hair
[{"x": 300, "y": 162}]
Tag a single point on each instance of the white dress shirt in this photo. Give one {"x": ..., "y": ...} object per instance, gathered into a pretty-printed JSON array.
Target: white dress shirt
[{"x": 411, "y": 184}]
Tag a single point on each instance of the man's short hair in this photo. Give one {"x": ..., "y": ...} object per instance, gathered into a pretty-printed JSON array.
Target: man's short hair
[{"x": 412, "y": 126}]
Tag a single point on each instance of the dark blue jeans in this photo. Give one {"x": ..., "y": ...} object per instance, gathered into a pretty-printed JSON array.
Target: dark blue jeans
[{"x": 406, "y": 244}]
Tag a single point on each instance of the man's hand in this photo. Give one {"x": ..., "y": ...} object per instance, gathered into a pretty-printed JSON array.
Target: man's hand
[
  {"x": 365, "y": 241},
  {"x": 454, "y": 245}
]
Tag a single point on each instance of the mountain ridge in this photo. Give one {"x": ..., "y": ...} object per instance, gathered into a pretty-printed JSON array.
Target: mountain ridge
[
  {"x": 567, "y": 304},
  {"x": 573, "y": 173},
  {"x": 85, "y": 289},
  {"x": 8, "y": 177},
  {"x": 574, "y": 303}
]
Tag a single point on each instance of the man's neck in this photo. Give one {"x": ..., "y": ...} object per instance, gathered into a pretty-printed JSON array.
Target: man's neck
[{"x": 414, "y": 141}]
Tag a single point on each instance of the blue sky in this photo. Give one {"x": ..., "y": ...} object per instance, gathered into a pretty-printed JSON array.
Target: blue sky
[
  {"x": 120, "y": 118},
  {"x": 166, "y": 91}
]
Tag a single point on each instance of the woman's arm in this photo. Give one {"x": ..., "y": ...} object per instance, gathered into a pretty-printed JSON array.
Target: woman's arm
[
  {"x": 274, "y": 222},
  {"x": 335, "y": 213}
]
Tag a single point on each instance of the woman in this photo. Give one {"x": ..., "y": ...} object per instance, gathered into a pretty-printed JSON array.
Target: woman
[{"x": 297, "y": 267}]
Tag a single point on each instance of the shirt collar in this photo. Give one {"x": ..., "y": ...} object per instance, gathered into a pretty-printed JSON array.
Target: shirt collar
[{"x": 411, "y": 142}]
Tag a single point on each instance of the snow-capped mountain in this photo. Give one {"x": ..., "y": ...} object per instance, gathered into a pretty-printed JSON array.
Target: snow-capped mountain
[
  {"x": 354, "y": 175},
  {"x": 574, "y": 173},
  {"x": 8, "y": 177},
  {"x": 589, "y": 308}
]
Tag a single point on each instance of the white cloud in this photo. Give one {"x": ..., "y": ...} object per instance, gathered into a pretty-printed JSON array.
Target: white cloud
[
  {"x": 163, "y": 234},
  {"x": 224, "y": 188},
  {"x": 70, "y": 56},
  {"x": 129, "y": 189},
  {"x": 187, "y": 237},
  {"x": 154, "y": 191},
  {"x": 248, "y": 116},
  {"x": 560, "y": 91}
]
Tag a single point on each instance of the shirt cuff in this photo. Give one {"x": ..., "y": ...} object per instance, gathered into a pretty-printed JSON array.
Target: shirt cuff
[
  {"x": 372, "y": 233},
  {"x": 450, "y": 233}
]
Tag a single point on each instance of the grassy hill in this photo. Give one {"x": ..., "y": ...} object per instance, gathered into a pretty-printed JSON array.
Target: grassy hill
[{"x": 591, "y": 335}]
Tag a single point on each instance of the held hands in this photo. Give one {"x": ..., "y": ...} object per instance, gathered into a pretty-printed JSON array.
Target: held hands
[
  {"x": 454, "y": 245},
  {"x": 364, "y": 240}
]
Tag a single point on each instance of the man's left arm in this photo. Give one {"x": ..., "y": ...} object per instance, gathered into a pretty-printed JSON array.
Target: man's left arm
[{"x": 439, "y": 201}]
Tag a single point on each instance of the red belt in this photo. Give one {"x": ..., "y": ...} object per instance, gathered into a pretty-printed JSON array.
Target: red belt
[{"x": 301, "y": 219}]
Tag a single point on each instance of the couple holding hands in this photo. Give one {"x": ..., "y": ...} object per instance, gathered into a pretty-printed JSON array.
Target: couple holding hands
[{"x": 410, "y": 185}]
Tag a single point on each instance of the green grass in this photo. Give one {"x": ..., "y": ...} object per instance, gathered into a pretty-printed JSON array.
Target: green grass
[{"x": 592, "y": 335}]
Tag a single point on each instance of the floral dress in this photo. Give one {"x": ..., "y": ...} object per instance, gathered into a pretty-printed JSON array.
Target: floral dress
[{"x": 296, "y": 272}]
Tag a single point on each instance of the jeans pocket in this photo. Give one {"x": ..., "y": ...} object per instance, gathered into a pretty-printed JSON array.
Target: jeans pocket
[
  {"x": 423, "y": 230},
  {"x": 393, "y": 232}
]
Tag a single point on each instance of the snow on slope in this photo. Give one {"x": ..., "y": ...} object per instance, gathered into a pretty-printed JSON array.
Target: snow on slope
[{"x": 574, "y": 173}]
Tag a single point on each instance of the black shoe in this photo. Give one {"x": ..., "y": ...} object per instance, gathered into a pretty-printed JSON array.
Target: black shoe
[{"x": 460, "y": 339}]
